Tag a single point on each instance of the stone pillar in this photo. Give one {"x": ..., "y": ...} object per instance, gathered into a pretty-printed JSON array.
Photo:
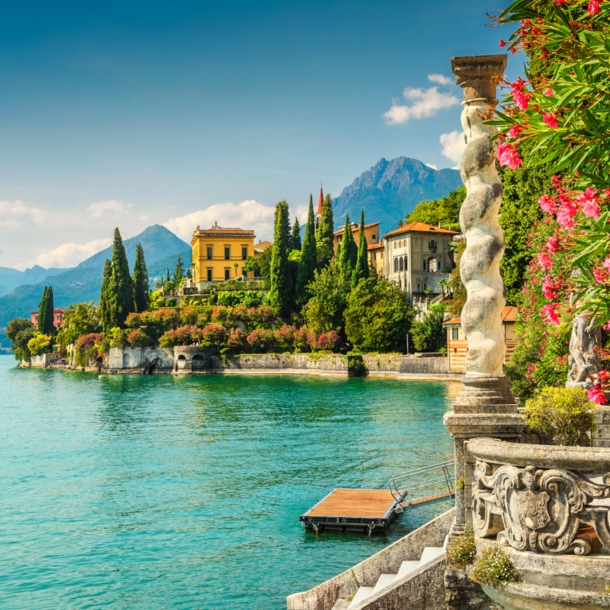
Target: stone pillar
[{"x": 485, "y": 406}]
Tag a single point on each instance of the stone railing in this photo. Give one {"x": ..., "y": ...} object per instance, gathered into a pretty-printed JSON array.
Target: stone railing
[{"x": 541, "y": 498}]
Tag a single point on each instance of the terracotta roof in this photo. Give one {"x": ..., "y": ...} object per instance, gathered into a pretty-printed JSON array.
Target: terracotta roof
[
  {"x": 261, "y": 246},
  {"x": 217, "y": 231},
  {"x": 340, "y": 230},
  {"x": 420, "y": 227},
  {"x": 376, "y": 247},
  {"x": 509, "y": 315}
]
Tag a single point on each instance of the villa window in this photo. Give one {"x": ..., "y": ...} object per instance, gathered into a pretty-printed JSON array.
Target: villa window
[
  {"x": 401, "y": 264},
  {"x": 209, "y": 275},
  {"x": 227, "y": 274},
  {"x": 395, "y": 265},
  {"x": 424, "y": 264},
  {"x": 210, "y": 253},
  {"x": 244, "y": 253},
  {"x": 418, "y": 286},
  {"x": 374, "y": 236},
  {"x": 227, "y": 253},
  {"x": 455, "y": 333}
]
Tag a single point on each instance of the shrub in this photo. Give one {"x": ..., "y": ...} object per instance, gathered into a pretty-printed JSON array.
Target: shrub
[
  {"x": 88, "y": 348},
  {"x": 183, "y": 335},
  {"x": 220, "y": 314},
  {"x": 562, "y": 415},
  {"x": 428, "y": 334},
  {"x": 462, "y": 551},
  {"x": 188, "y": 316},
  {"x": 118, "y": 337},
  {"x": 285, "y": 337},
  {"x": 494, "y": 567},
  {"x": 262, "y": 317},
  {"x": 214, "y": 334},
  {"x": 39, "y": 344},
  {"x": 138, "y": 338},
  {"x": 301, "y": 339},
  {"x": 329, "y": 340},
  {"x": 261, "y": 340},
  {"x": 237, "y": 341}
]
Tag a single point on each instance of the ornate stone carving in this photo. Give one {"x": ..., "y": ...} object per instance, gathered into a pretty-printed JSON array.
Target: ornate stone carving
[
  {"x": 539, "y": 510},
  {"x": 583, "y": 360}
]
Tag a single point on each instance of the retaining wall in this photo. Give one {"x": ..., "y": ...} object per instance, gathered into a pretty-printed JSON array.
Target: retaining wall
[
  {"x": 601, "y": 436},
  {"x": 334, "y": 364},
  {"x": 136, "y": 358},
  {"x": 406, "y": 364}
]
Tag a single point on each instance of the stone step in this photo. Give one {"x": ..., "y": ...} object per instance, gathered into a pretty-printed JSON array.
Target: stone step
[
  {"x": 385, "y": 580},
  {"x": 362, "y": 594},
  {"x": 341, "y": 604},
  {"x": 430, "y": 553},
  {"x": 406, "y": 567}
]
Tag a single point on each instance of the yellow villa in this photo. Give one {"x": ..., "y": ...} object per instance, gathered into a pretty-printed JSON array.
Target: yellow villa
[{"x": 220, "y": 254}]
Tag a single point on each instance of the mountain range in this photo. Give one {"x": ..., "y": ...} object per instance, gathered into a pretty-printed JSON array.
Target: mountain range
[
  {"x": 387, "y": 193},
  {"x": 390, "y": 190}
]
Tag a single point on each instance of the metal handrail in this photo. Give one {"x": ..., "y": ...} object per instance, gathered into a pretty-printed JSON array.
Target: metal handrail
[{"x": 400, "y": 489}]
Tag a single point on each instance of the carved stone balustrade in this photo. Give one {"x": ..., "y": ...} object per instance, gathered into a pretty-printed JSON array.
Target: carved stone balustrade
[{"x": 539, "y": 498}]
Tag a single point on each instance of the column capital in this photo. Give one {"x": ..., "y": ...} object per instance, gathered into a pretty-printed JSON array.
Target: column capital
[{"x": 479, "y": 75}]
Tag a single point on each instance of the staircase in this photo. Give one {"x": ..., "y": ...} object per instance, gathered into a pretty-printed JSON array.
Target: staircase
[{"x": 429, "y": 554}]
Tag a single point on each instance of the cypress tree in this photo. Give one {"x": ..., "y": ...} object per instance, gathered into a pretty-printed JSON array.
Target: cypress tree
[
  {"x": 309, "y": 259},
  {"x": 349, "y": 251},
  {"x": 295, "y": 242},
  {"x": 140, "y": 281},
  {"x": 168, "y": 279},
  {"x": 121, "y": 286},
  {"x": 325, "y": 237},
  {"x": 105, "y": 297},
  {"x": 361, "y": 270},
  {"x": 280, "y": 293},
  {"x": 45, "y": 312},
  {"x": 178, "y": 272}
]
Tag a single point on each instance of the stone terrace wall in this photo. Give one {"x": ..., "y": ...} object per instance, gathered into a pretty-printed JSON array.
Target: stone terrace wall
[
  {"x": 134, "y": 358},
  {"x": 398, "y": 363},
  {"x": 601, "y": 436},
  {"x": 336, "y": 364}
]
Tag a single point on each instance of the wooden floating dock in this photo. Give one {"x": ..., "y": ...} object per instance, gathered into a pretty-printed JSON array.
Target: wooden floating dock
[{"x": 361, "y": 510}]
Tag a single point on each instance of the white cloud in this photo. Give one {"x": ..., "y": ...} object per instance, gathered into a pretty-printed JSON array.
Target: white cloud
[
  {"x": 15, "y": 213},
  {"x": 111, "y": 207},
  {"x": 424, "y": 103},
  {"x": 453, "y": 144},
  {"x": 431, "y": 165},
  {"x": 70, "y": 254},
  {"x": 247, "y": 215},
  {"x": 440, "y": 79}
]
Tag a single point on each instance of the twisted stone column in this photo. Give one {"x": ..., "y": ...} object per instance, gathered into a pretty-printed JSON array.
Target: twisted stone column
[{"x": 486, "y": 405}]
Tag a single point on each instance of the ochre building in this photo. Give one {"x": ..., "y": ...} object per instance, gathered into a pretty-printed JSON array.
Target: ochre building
[{"x": 220, "y": 254}]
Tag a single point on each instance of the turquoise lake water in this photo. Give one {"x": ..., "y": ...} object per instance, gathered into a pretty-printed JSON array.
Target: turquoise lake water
[{"x": 157, "y": 492}]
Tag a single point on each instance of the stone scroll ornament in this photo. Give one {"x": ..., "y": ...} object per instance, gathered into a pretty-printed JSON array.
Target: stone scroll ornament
[{"x": 539, "y": 510}]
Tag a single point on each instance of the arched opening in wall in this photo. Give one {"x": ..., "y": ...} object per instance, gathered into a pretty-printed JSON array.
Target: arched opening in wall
[
  {"x": 402, "y": 264},
  {"x": 198, "y": 362},
  {"x": 434, "y": 265},
  {"x": 406, "y": 263},
  {"x": 395, "y": 265},
  {"x": 181, "y": 361},
  {"x": 126, "y": 361}
]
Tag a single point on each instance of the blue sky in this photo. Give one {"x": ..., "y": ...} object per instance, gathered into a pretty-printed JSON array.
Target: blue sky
[{"x": 181, "y": 113}]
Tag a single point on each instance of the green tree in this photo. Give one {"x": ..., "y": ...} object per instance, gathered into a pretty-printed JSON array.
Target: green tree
[
  {"x": 40, "y": 344},
  {"x": 45, "y": 312},
  {"x": 178, "y": 272},
  {"x": 361, "y": 270},
  {"x": 329, "y": 290},
  {"x": 281, "y": 289},
  {"x": 19, "y": 332},
  {"x": 378, "y": 317},
  {"x": 141, "y": 286},
  {"x": 324, "y": 236},
  {"x": 261, "y": 265},
  {"x": 105, "y": 297},
  {"x": 79, "y": 319},
  {"x": 445, "y": 210},
  {"x": 121, "y": 284},
  {"x": 309, "y": 259},
  {"x": 348, "y": 253},
  {"x": 295, "y": 240},
  {"x": 428, "y": 333}
]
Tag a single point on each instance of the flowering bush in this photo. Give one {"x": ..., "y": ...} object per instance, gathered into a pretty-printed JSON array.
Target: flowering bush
[
  {"x": 285, "y": 337},
  {"x": 330, "y": 340},
  {"x": 183, "y": 335},
  {"x": 138, "y": 338},
  {"x": 462, "y": 551},
  {"x": 304, "y": 339},
  {"x": 494, "y": 567},
  {"x": 237, "y": 341},
  {"x": 39, "y": 344},
  {"x": 214, "y": 334},
  {"x": 261, "y": 340},
  {"x": 88, "y": 348}
]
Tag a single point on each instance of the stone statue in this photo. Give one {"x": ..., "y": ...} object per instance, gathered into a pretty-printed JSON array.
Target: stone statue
[{"x": 583, "y": 360}]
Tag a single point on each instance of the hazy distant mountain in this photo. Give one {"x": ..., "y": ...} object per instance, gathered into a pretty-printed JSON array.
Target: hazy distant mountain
[
  {"x": 391, "y": 189},
  {"x": 83, "y": 283},
  {"x": 11, "y": 278}
]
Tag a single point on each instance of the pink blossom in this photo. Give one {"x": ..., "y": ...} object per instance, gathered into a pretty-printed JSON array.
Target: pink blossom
[
  {"x": 508, "y": 156},
  {"x": 589, "y": 202},
  {"x": 606, "y": 263},
  {"x": 515, "y": 131},
  {"x": 600, "y": 274},
  {"x": 549, "y": 92},
  {"x": 594, "y": 9},
  {"x": 550, "y": 118},
  {"x": 548, "y": 205},
  {"x": 567, "y": 213},
  {"x": 502, "y": 43},
  {"x": 544, "y": 260},
  {"x": 596, "y": 395},
  {"x": 552, "y": 244},
  {"x": 607, "y": 325},
  {"x": 549, "y": 288},
  {"x": 550, "y": 311},
  {"x": 522, "y": 100}
]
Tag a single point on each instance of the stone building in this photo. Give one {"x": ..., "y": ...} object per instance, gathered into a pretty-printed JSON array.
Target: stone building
[
  {"x": 417, "y": 256},
  {"x": 58, "y": 317},
  {"x": 219, "y": 254}
]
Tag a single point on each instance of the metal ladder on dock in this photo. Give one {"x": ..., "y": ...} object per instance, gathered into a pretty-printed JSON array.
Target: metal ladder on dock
[{"x": 425, "y": 485}]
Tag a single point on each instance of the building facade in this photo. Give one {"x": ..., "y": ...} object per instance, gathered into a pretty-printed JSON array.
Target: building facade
[
  {"x": 417, "y": 256},
  {"x": 457, "y": 344},
  {"x": 58, "y": 317},
  {"x": 220, "y": 254}
]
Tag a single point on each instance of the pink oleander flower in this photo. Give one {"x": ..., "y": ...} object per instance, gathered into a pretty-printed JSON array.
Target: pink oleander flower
[
  {"x": 548, "y": 204},
  {"x": 549, "y": 92},
  {"x": 520, "y": 94},
  {"x": 552, "y": 244},
  {"x": 508, "y": 156},
  {"x": 596, "y": 395},
  {"x": 601, "y": 275},
  {"x": 589, "y": 202},
  {"x": 549, "y": 288},
  {"x": 594, "y": 8},
  {"x": 545, "y": 261},
  {"x": 603, "y": 375},
  {"x": 515, "y": 131},
  {"x": 567, "y": 213},
  {"x": 606, "y": 263},
  {"x": 607, "y": 325},
  {"x": 550, "y": 118},
  {"x": 502, "y": 43},
  {"x": 550, "y": 311},
  {"x": 560, "y": 2}
]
